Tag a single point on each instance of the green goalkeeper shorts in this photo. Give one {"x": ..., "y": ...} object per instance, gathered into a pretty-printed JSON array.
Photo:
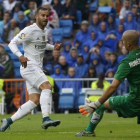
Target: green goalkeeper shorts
[{"x": 124, "y": 107}]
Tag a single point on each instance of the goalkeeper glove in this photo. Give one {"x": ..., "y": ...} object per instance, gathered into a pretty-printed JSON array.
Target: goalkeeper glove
[{"x": 89, "y": 108}]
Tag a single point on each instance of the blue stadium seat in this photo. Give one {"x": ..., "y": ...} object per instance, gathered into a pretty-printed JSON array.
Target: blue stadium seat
[
  {"x": 7, "y": 49},
  {"x": 104, "y": 9},
  {"x": 17, "y": 73},
  {"x": 67, "y": 26},
  {"x": 57, "y": 35},
  {"x": 16, "y": 64},
  {"x": 13, "y": 57},
  {"x": 81, "y": 97},
  {"x": 81, "y": 100},
  {"x": 20, "y": 47},
  {"x": 66, "y": 101},
  {"x": 78, "y": 17},
  {"x": 93, "y": 6}
]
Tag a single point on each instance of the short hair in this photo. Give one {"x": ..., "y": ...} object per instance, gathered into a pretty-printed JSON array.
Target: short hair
[
  {"x": 97, "y": 45},
  {"x": 7, "y": 13},
  {"x": 113, "y": 54},
  {"x": 121, "y": 24},
  {"x": 13, "y": 20},
  {"x": 107, "y": 53},
  {"x": 95, "y": 15},
  {"x": 135, "y": 42},
  {"x": 31, "y": 1},
  {"x": 41, "y": 8},
  {"x": 71, "y": 68}
]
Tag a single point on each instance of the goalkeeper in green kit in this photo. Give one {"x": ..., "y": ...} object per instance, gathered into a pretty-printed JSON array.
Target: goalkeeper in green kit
[{"x": 125, "y": 106}]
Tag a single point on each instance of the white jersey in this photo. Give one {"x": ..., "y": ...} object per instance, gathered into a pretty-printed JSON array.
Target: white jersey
[{"x": 34, "y": 42}]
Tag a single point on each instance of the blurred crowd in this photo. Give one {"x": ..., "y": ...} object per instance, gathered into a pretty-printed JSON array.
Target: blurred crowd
[{"x": 95, "y": 48}]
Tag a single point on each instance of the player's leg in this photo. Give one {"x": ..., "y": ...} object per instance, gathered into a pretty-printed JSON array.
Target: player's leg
[
  {"x": 27, "y": 107},
  {"x": 24, "y": 110},
  {"x": 95, "y": 118},
  {"x": 45, "y": 100}
]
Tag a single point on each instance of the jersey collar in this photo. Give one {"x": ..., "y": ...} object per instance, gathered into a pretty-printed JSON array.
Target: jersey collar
[
  {"x": 134, "y": 51},
  {"x": 39, "y": 28}
]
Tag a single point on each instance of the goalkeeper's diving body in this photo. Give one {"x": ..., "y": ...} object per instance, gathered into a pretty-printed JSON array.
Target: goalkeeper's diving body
[
  {"x": 125, "y": 106},
  {"x": 35, "y": 42}
]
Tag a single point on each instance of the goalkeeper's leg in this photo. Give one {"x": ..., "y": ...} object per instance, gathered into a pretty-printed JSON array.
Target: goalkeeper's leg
[
  {"x": 94, "y": 120},
  {"x": 97, "y": 116}
]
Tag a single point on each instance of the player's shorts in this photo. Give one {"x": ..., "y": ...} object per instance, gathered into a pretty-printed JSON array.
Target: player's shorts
[
  {"x": 124, "y": 107},
  {"x": 34, "y": 77}
]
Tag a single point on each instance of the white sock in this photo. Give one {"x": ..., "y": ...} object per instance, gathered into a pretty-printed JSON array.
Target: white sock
[
  {"x": 23, "y": 110},
  {"x": 45, "y": 102}
]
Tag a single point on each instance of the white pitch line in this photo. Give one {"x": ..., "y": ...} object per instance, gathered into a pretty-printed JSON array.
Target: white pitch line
[{"x": 67, "y": 132}]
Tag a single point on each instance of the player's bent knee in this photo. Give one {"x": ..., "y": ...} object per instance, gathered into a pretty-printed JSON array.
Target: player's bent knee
[
  {"x": 34, "y": 98},
  {"x": 36, "y": 102},
  {"x": 45, "y": 85},
  {"x": 107, "y": 105}
]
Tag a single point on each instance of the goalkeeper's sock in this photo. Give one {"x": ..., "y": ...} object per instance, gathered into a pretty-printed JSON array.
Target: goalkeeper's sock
[
  {"x": 23, "y": 110},
  {"x": 45, "y": 102},
  {"x": 95, "y": 118}
]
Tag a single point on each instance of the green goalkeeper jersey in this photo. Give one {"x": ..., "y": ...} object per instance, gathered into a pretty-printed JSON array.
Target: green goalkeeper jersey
[{"x": 130, "y": 68}]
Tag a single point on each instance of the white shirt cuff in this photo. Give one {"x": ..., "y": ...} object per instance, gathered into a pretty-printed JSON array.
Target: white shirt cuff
[{"x": 18, "y": 53}]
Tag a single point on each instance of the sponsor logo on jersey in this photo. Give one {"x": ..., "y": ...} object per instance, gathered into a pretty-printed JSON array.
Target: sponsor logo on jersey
[
  {"x": 134, "y": 63},
  {"x": 22, "y": 36},
  {"x": 138, "y": 53},
  {"x": 40, "y": 47}
]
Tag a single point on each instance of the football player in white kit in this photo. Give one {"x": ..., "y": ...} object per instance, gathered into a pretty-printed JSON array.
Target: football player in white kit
[{"x": 34, "y": 40}]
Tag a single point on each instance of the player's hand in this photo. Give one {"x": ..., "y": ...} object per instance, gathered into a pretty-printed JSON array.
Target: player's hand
[
  {"x": 23, "y": 60},
  {"x": 88, "y": 108},
  {"x": 57, "y": 46}
]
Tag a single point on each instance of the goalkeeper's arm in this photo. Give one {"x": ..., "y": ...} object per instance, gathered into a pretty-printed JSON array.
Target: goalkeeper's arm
[
  {"x": 109, "y": 91},
  {"x": 92, "y": 106}
]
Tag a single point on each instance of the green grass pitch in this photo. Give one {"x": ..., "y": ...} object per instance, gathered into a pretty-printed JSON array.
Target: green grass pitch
[{"x": 111, "y": 128}]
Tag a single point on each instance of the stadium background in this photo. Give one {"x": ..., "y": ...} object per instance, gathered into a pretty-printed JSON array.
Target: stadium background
[{"x": 90, "y": 32}]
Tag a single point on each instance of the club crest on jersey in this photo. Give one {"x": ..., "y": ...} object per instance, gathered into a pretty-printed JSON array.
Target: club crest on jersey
[
  {"x": 43, "y": 38},
  {"x": 22, "y": 36}
]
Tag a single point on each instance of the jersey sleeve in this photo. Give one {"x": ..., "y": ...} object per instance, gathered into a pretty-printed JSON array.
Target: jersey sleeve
[
  {"x": 123, "y": 71},
  {"x": 24, "y": 35},
  {"x": 49, "y": 47}
]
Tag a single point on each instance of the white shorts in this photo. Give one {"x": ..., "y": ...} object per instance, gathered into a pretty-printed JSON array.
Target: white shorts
[{"x": 34, "y": 77}]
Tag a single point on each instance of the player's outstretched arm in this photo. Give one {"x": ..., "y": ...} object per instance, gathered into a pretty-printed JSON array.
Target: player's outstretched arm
[
  {"x": 92, "y": 106},
  {"x": 109, "y": 91},
  {"x": 56, "y": 46}
]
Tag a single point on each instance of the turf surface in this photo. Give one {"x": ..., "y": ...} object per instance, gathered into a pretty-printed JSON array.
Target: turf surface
[{"x": 111, "y": 128}]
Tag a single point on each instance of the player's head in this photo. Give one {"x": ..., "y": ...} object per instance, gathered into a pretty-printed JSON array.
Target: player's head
[
  {"x": 62, "y": 60},
  {"x": 71, "y": 71},
  {"x": 41, "y": 16},
  {"x": 6, "y": 16},
  {"x": 31, "y": 4},
  {"x": 130, "y": 39}
]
